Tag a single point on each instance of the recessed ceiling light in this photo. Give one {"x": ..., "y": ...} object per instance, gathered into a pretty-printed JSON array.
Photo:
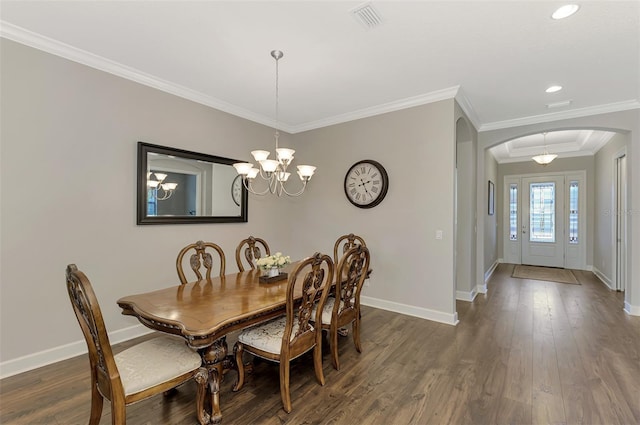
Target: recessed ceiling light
[
  {"x": 565, "y": 11},
  {"x": 553, "y": 89}
]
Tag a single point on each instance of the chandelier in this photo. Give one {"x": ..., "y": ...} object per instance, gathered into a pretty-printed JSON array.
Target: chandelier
[
  {"x": 546, "y": 157},
  {"x": 273, "y": 171},
  {"x": 159, "y": 185}
]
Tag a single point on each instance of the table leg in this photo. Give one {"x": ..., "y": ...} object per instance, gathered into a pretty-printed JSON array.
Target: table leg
[
  {"x": 202, "y": 378},
  {"x": 217, "y": 362}
]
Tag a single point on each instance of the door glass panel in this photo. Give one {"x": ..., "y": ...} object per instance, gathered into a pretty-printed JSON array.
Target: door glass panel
[
  {"x": 513, "y": 212},
  {"x": 542, "y": 213},
  {"x": 573, "y": 212}
]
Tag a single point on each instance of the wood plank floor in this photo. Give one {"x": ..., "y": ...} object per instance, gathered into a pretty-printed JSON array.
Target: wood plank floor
[{"x": 528, "y": 352}]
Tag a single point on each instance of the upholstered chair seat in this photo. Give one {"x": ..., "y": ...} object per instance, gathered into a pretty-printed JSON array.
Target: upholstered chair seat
[
  {"x": 153, "y": 362},
  {"x": 327, "y": 311},
  {"x": 268, "y": 336}
]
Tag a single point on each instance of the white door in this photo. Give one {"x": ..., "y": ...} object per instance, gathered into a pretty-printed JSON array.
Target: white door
[{"x": 542, "y": 221}]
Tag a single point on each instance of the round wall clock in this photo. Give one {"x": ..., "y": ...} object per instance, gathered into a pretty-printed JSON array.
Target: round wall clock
[
  {"x": 366, "y": 183},
  {"x": 236, "y": 189}
]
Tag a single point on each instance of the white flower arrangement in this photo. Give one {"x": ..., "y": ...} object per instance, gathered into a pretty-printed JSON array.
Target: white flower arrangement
[{"x": 275, "y": 261}]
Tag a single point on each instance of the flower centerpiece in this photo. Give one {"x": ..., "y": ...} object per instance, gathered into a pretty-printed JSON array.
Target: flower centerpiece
[{"x": 271, "y": 264}]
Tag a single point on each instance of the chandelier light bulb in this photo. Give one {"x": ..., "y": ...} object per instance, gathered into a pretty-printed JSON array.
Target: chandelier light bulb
[
  {"x": 243, "y": 167},
  {"x": 260, "y": 155}
]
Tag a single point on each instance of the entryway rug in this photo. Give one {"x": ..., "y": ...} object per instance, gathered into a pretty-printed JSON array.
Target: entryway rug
[{"x": 544, "y": 273}]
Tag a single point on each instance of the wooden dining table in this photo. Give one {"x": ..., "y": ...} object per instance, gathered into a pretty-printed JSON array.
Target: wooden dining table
[{"x": 205, "y": 312}]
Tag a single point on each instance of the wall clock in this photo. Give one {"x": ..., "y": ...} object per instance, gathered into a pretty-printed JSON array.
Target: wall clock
[
  {"x": 366, "y": 183},
  {"x": 236, "y": 189}
]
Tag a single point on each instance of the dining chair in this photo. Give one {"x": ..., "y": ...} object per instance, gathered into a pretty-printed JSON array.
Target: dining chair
[
  {"x": 288, "y": 337},
  {"x": 344, "y": 308},
  {"x": 139, "y": 372},
  {"x": 201, "y": 256},
  {"x": 249, "y": 250},
  {"x": 344, "y": 243}
]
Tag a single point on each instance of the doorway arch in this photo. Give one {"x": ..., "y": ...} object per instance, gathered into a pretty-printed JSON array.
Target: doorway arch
[
  {"x": 465, "y": 217},
  {"x": 627, "y": 125}
]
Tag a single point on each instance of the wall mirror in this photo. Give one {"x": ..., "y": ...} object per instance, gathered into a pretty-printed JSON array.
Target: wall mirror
[{"x": 177, "y": 186}]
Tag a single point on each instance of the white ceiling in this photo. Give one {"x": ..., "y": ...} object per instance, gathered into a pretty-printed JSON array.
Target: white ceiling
[{"x": 496, "y": 57}]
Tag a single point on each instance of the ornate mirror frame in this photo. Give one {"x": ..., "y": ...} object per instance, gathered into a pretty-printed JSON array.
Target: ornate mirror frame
[{"x": 205, "y": 187}]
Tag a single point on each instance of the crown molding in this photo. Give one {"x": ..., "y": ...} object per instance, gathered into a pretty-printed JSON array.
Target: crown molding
[
  {"x": 467, "y": 108},
  {"x": 556, "y": 116},
  {"x": 423, "y": 99},
  {"x": 49, "y": 45}
]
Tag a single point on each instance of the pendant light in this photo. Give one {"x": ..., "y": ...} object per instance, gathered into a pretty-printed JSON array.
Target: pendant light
[{"x": 273, "y": 171}]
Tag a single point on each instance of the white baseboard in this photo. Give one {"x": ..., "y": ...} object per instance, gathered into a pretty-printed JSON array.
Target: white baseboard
[
  {"x": 482, "y": 289},
  {"x": 489, "y": 273},
  {"x": 423, "y": 313},
  {"x": 466, "y": 295},
  {"x": 633, "y": 310},
  {"x": 67, "y": 351},
  {"x": 604, "y": 279},
  {"x": 63, "y": 352}
]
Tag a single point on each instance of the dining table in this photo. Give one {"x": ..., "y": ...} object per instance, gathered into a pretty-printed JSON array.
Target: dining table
[{"x": 204, "y": 312}]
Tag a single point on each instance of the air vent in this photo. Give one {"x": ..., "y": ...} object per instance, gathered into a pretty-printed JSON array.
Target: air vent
[
  {"x": 558, "y": 104},
  {"x": 366, "y": 15}
]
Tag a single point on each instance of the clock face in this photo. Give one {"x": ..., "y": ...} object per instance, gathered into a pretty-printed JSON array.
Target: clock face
[
  {"x": 236, "y": 190},
  {"x": 366, "y": 183}
]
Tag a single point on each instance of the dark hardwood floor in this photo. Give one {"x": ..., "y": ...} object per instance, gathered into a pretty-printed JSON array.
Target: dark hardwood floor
[{"x": 528, "y": 352}]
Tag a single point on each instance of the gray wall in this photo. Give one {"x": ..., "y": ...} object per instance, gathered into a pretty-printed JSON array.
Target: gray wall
[
  {"x": 69, "y": 136},
  {"x": 465, "y": 251},
  {"x": 490, "y": 222},
  {"x": 413, "y": 272},
  {"x": 604, "y": 206},
  {"x": 68, "y": 184}
]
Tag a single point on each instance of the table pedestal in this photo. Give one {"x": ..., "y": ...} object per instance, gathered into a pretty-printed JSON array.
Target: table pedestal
[{"x": 217, "y": 362}]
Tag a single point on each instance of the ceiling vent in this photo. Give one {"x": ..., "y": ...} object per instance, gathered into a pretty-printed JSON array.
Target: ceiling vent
[
  {"x": 366, "y": 15},
  {"x": 559, "y": 104}
]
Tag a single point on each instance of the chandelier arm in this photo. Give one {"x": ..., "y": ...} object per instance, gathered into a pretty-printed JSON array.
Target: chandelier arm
[
  {"x": 304, "y": 186},
  {"x": 263, "y": 175},
  {"x": 249, "y": 187},
  {"x": 167, "y": 194}
]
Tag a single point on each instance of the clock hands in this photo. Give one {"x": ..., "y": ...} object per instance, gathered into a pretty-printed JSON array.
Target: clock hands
[{"x": 364, "y": 186}]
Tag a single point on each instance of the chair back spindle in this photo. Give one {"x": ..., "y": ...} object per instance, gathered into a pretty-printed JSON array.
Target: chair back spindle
[
  {"x": 200, "y": 257},
  {"x": 249, "y": 250},
  {"x": 344, "y": 243}
]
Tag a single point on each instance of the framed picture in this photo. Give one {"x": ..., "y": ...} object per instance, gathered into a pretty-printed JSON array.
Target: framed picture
[{"x": 492, "y": 201}]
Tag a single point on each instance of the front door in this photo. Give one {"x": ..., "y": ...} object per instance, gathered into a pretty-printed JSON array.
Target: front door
[{"x": 542, "y": 221}]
